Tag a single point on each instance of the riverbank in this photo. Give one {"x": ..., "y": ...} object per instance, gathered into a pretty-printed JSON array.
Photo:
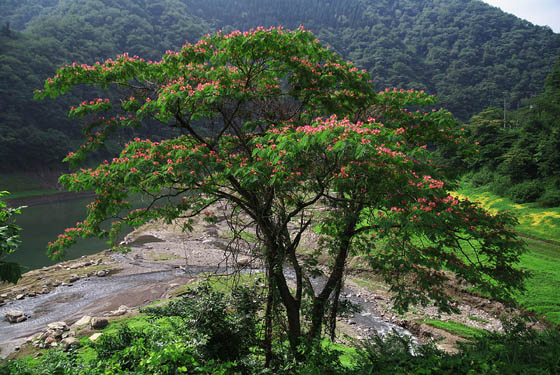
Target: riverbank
[{"x": 163, "y": 260}]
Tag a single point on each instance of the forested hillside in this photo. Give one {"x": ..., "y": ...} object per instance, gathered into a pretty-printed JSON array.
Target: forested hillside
[
  {"x": 468, "y": 53},
  {"x": 519, "y": 154}
]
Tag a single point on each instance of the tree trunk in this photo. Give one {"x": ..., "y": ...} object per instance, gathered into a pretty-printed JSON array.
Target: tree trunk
[
  {"x": 334, "y": 311},
  {"x": 320, "y": 302},
  {"x": 268, "y": 319}
]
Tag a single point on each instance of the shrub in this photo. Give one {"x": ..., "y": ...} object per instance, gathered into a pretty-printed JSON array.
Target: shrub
[
  {"x": 481, "y": 178},
  {"x": 500, "y": 185},
  {"x": 527, "y": 191}
]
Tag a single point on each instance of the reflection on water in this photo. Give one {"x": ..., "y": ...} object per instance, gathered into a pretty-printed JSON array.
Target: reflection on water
[{"x": 43, "y": 223}]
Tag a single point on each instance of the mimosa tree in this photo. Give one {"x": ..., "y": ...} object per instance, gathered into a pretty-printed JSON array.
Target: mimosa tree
[{"x": 278, "y": 126}]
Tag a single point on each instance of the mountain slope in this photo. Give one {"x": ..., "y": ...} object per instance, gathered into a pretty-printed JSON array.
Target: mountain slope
[{"x": 470, "y": 54}]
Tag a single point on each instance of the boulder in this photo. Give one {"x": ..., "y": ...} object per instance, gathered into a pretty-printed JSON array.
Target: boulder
[
  {"x": 95, "y": 336},
  {"x": 20, "y": 296},
  {"x": 86, "y": 319},
  {"x": 69, "y": 342},
  {"x": 99, "y": 323},
  {"x": 120, "y": 311},
  {"x": 15, "y": 316},
  {"x": 73, "y": 278},
  {"x": 61, "y": 326},
  {"x": 101, "y": 273}
]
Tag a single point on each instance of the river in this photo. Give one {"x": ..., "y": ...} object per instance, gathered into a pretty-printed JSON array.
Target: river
[{"x": 42, "y": 221}]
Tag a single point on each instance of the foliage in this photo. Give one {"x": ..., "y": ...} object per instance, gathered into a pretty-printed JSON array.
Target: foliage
[
  {"x": 470, "y": 54},
  {"x": 519, "y": 350},
  {"x": 226, "y": 327},
  {"x": 170, "y": 345},
  {"x": 9, "y": 241},
  {"x": 519, "y": 156},
  {"x": 273, "y": 124}
]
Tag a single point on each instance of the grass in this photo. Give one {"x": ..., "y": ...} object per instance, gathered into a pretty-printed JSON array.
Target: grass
[
  {"x": 456, "y": 328},
  {"x": 477, "y": 319},
  {"x": 540, "y": 228},
  {"x": 534, "y": 221}
]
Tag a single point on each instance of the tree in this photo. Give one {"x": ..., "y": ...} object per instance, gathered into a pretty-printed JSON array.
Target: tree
[
  {"x": 293, "y": 137},
  {"x": 9, "y": 241}
]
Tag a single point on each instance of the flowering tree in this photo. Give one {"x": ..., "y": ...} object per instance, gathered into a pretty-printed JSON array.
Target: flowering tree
[{"x": 278, "y": 126}]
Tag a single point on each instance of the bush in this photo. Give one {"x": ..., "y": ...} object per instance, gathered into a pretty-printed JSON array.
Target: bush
[
  {"x": 225, "y": 327},
  {"x": 550, "y": 198},
  {"x": 481, "y": 178},
  {"x": 527, "y": 191}
]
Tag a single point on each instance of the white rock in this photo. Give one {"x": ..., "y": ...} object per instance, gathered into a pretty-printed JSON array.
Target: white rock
[
  {"x": 95, "y": 336},
  {"x": 86, "y": 319},
  {"x": 62, "y": 326}
]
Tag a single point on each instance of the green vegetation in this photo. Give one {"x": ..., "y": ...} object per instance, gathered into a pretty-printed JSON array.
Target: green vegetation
[
  {"x": 541, "y": 228},
  {"x": 519, "y": 154},
  {"x": 477, "y": 319},
  {"x": 470, "y": 54},
  {"x": 213, "y": 333},
  {"x": 534, "y": 221},
  {"x": 9, "y": 241},
  {"x": 456, "y": 328}
]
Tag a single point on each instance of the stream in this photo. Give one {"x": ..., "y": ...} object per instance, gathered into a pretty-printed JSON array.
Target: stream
[{"x": 69, "y": 303}]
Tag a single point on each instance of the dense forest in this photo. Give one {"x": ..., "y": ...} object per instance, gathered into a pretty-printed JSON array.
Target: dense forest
[
  {"x": 470, "y": 54},
  {"x": 519, "y": 153}
]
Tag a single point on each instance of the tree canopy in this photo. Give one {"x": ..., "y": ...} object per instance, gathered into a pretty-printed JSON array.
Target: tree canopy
[{"x": 291, "y": 138}]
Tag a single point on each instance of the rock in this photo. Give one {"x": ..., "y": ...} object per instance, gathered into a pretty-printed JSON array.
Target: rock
[
  {"x": 20, "y": 296},
  {"x": 95, "y": 336},
  {"x": 4, "y": 295},
  {"x": 351, "y": 322},
  {"x": 31, "y": 294},
  {"x": 86, "y": 319},
  {"x": 99, "y": 323},
  {"x": 73, "y": 278},
  {"x": 120, "y": 311},
  {"x": 69, "y": 342},
  {"x": 66, "y": 284},
  {"x": 15, "y": 316},
  {"x": 101, "y": 273},
  {"x": 17, "y": 348},
  {"x": 62, "y": 326},
  {"x": 56, "y": 333},
  {"x": 243, "y": 261},
  {"x": 49, "y": 340}
]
